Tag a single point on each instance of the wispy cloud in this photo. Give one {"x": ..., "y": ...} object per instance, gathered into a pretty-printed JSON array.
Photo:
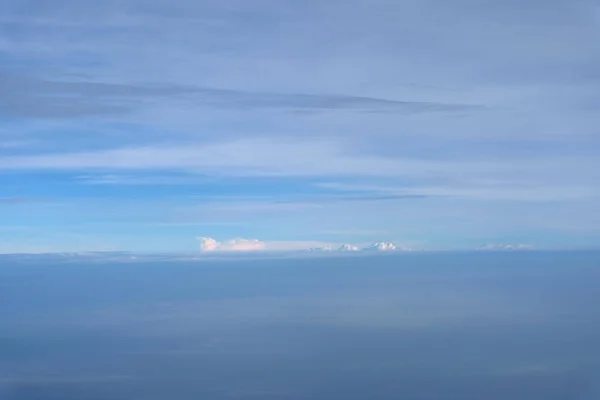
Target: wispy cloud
[
  {"x": 37, "y": 98},
  {"x": 21, "y": 200},
  {"x": 262, "y": 157},
  {"x": 135, "y": 180},
  {"x": 514, "y": 191},
  {"x": 240, "y": 157},
  {"x": 15, "y": 144}
]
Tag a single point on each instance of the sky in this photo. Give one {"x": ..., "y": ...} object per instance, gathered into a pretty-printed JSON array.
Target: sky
[{"x": 434, "y": 124}]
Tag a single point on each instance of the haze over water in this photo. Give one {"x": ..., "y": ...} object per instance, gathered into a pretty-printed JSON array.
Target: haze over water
[{"x": 486, "y": 325}]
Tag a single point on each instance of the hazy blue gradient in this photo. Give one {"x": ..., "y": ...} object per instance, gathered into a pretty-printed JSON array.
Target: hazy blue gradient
[{"x": 429, "y": 326}]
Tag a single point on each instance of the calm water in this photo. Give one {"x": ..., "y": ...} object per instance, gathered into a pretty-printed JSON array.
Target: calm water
[{"x": 427, "y": 326}]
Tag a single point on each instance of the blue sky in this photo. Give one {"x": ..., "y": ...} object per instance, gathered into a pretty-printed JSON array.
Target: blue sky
[{"x": 438, "y": 124}]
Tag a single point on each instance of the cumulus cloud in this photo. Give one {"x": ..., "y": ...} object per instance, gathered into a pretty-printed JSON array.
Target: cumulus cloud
[
  {"x": 208, "y": 244},
  {"x": 349, "y": 247},
  {"x": 382, "y": 246}
]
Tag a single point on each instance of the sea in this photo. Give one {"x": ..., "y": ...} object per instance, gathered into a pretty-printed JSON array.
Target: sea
[{"x": 521, "y": 325}]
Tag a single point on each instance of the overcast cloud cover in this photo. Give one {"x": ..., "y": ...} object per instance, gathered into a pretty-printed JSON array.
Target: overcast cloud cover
[{"x": 140, "y": 125}]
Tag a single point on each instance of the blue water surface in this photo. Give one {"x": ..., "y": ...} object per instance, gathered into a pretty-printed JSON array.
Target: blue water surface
[{"x": 485, "y": 325}]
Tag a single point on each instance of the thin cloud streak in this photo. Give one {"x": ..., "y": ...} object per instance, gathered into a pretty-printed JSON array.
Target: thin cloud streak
[
  {"x": 256, "y": 157},
  {"x": 38, "y": 98},
  {"x": 21, "y": 200},
  {"x": 514, "y": 192}
]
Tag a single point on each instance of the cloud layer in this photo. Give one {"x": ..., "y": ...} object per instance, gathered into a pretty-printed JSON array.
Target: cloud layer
[
  {"x": 444, "y": 122},
  {"x": 210, "y": 245}
]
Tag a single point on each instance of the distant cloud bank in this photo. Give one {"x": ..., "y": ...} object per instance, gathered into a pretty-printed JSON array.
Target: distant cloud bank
[
  {"x": 378, "y": 246},
  {"x": 506, "y": 247},
  {"x": 382, "y": 246},
  {"x": 209, "y": 245}
]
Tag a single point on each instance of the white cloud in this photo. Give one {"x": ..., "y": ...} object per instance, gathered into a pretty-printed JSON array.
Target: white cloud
[
  {"x": 208, "y": 244},
  {"x": 382, "y": 246},
  {"x": 378, "y": 246},
  {"x": 242, "y": 245},
  {"x": 349, "y": 247}
]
